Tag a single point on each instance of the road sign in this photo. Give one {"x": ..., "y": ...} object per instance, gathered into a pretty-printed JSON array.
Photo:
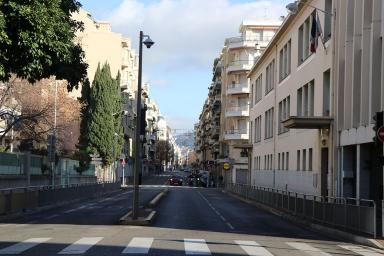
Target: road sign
[
  {"x": 122, "y": 162},
  {"x": 380, "y": 133},
  {"x": 226, "y": 166}
]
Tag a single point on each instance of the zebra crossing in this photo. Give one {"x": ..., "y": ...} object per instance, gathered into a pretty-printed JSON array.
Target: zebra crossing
[{"x": 144, "y": 246}]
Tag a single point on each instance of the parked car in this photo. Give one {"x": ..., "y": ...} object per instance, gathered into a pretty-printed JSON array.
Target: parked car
[{"x": 175, "y": 181}]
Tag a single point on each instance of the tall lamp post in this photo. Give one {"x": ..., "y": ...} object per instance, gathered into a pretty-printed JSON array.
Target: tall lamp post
[{"x": 135, "y": 209}]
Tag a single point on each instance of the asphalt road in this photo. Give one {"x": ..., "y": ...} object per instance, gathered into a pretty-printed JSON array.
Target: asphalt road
[{"x": 190, "y": 221}]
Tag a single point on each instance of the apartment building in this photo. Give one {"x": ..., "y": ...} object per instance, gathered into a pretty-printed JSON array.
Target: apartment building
[
  {"x": 237, "y": 58},
  {"x": 290, "y": 105},
  {"x": 207, "y": 131},
  {"x": 359, "y": 80}
]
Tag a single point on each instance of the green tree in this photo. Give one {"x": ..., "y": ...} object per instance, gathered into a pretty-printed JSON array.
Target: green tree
[
  {"x": 37, "y": 41},
  {"x": 105, "y": 116}
]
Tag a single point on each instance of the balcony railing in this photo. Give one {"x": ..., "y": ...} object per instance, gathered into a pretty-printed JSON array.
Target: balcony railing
[
  {"x": 240, "y": 65},
  {"x": 251, "y": 41},
  {"x": 236, "y": 134},
  {"x": 237, "y": 111},
  {"x": 237, "y": 88}
]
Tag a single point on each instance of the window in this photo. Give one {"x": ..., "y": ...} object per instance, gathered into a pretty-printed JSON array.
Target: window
[
  {"x": 269, "y": 123},
  {"x": 258, "y": 89},
  {"x": 284, "y": 113},
  {"x": 270, "y": 77},
  {"x": 310, "y": 159},
  {"x": 282, "y": 161},
  {"x": 257, "y": 136},
  {"x": 265, "y": 162},
  {"x": 327, "y": 20},
  {"x": 278, "y": 161},
  {"x": 252, "y": 95},
  {"x": 298, "y": 160},
  {"x": 305, "y": 100},
  {"x": 326, "y": 92},
  {"x": 287, "y": 161},
  {"x": 251, "y": 132},
  {"x": 304, "y": 40},
  {"x": 304, "y": 160},
  {"x": 285, "y": 61}
]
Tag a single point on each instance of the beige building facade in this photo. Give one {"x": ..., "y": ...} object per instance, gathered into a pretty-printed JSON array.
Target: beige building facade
[
  {"x": 359, "y": 80},
  {"x": 290, "y": 86}
]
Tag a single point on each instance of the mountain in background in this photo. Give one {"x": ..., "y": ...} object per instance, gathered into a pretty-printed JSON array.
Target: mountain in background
[{"x": 185, "y": 140}]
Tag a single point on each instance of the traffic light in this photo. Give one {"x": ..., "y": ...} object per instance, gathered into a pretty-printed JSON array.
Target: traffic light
[
  {"x": 378, "y": 123},
  {"x": 51, "y": 148},
  {"x": 143, "y": 121}
]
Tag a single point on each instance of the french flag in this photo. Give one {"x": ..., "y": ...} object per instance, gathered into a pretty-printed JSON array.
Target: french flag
[{"x": 315, "y": 33}]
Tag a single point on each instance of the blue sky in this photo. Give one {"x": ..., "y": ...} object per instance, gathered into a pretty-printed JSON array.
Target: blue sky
[{"x": 189, "y": 34}]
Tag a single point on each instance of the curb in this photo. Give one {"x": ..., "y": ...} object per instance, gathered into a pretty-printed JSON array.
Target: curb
[
  {"x": 141, "y": 221},
  {"x": 38, "y": 209},
  {"x": 155, "y": 201},
  {"x": 330, "y": 232}
]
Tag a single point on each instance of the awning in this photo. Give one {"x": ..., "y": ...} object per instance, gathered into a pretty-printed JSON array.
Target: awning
[{"x": 308, "y": 122}]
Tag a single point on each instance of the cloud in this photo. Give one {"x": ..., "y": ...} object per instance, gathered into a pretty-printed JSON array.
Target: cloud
[{"x": 188, "y": 34}]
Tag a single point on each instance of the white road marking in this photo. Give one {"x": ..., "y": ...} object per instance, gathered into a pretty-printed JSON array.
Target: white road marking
[
  {"x": 361, "y": 250},
  {"x": 23, "y": 246},
  {"x": 308, "y": 249},
  {"x": 52, "y": 216},
  {"x": 139, "y": 245},
  {"x": 252, "y": 248},
  {"x": 81, "y": 246},
  {"x": 217, "y": 212},
  {"x": 196, "y": 247}
]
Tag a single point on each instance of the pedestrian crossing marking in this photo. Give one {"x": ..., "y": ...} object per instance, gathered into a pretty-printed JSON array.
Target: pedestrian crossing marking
[
  {"x": 252, "y": 248},
  {"x": 23, "y": 246},
  {"x": 196, "y": 247},
  {"x": 361, "y": 250},
  {"x": 81, "y": 246},
  {"x": 308, "y": 249},
  {"x": 139, "y": 245}
]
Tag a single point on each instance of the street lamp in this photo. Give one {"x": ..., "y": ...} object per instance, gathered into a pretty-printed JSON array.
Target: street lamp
[
  {"x": 294, "y": 7},
  {"x": 135, "y": 209}
]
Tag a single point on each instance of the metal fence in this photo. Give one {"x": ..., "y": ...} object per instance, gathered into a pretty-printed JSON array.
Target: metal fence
[
  {"x": 349, "y": 214},
  {"x": 19, "y": 199}
]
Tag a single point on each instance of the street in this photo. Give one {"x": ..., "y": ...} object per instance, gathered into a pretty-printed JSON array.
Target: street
[{"x": 190, "y": 221}]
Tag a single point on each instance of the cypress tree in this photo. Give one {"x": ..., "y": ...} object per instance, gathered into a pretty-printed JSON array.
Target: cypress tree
[{"x": 101, "y": 130}]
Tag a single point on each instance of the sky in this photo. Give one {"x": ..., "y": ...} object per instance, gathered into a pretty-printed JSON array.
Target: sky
[{"x": 188, "y": 35}]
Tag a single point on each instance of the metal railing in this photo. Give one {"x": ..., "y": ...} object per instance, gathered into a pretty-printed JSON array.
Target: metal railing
[
  {"x": 236, "y": 131},
  {"x": 249, "y": 39},
  {"x": 238, "y": 108},
  {"x": 237, "y": 86},
  {"x": 349, "y": 214}
]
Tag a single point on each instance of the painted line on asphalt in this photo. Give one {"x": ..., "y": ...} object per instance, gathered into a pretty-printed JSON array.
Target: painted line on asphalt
[
  {"x": 360, "y": 250},
  {"x": 308, "y": 249},
  {"x": 52, "y": 216},
  {"x": 81, "y": 246},
  {"x": 23, "y": 246},
  {"x": 216, "y": 211},
  {"x": 252, "y": 248},
  {"x": 196, "y": 247},
  {"x": 139, "y": 245}
]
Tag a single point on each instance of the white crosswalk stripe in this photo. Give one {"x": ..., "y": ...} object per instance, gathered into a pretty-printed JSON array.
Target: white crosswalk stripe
[
  {"x": 361, "y": 251},
  {"x": 252, "y": 248},
  {"x": 196, "y": 247},
  {"x": 139, "y": 245},
  {"x": 23, "y": 246},
  {"x": 308, "y": 249},
  {"x": 81, "y": 246}
]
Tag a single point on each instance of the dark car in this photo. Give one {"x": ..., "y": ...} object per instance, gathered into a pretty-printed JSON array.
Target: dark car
[{"x": 175, "y": 181}]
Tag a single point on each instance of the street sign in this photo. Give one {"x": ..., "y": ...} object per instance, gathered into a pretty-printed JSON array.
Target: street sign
[
  {"x": 380, "y": 133},
  {"x": 226, "y": 166},
  {"x": 122, "y": 162}
]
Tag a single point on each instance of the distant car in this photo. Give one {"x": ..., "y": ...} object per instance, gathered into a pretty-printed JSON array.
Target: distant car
[{"x": 175, "y": 181}]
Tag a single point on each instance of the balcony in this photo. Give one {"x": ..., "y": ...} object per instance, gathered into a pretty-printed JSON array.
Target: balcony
[
  {"x": 248, "y": 42},
  {"x": 237, "y": 111},
  {"x": 237, "y": 89},
  {"x": 240, "y": 65},
  {"x": 236, "y": 134}
]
